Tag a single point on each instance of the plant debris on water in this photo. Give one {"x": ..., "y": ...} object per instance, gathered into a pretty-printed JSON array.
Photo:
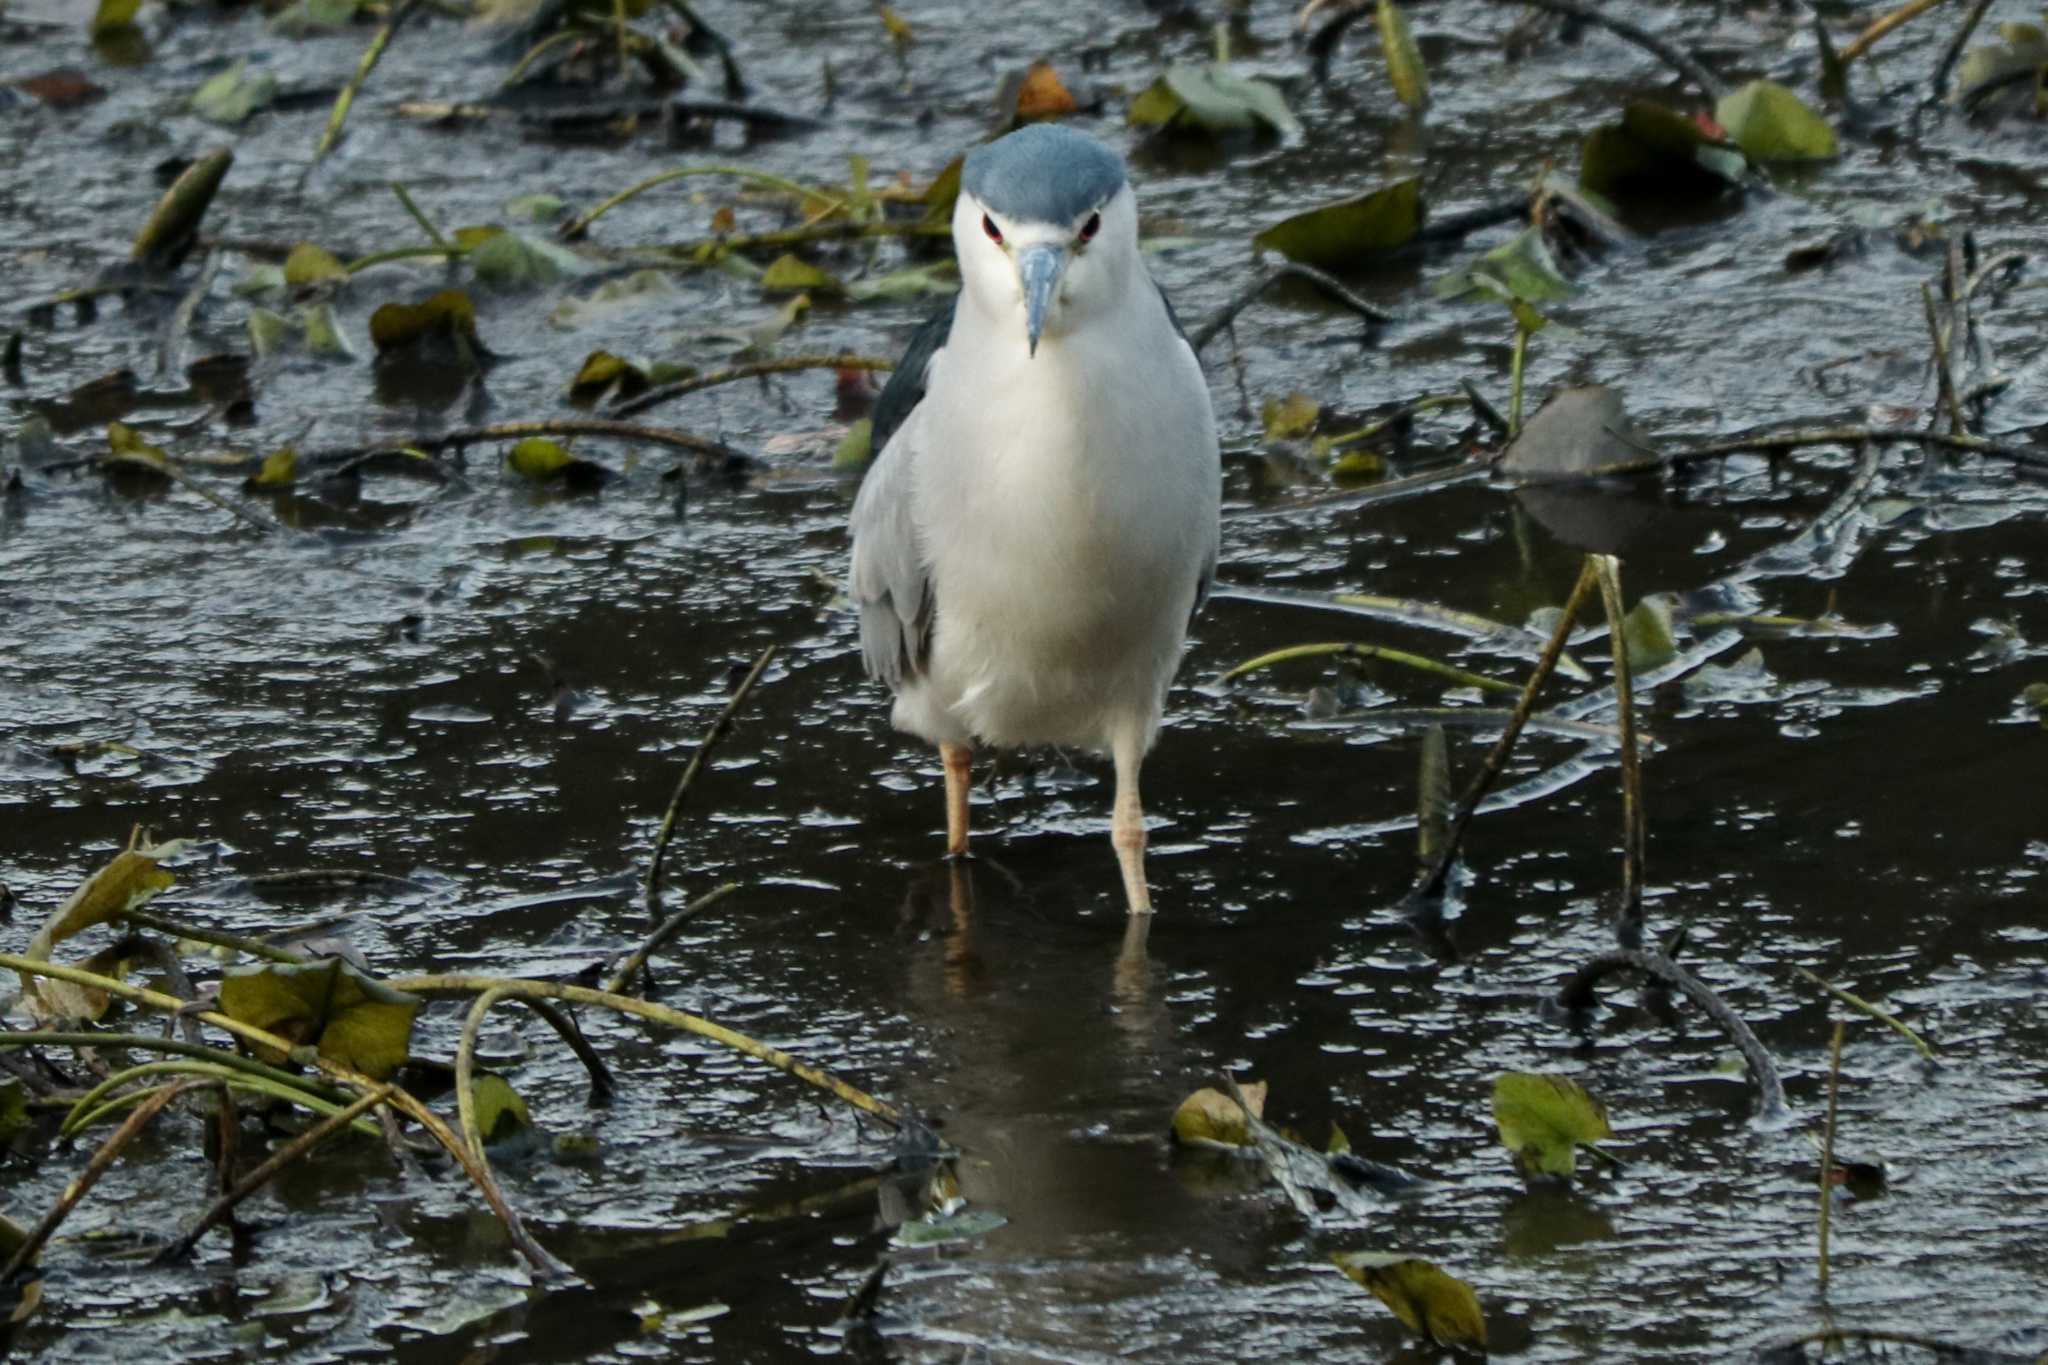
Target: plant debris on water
[{"x": 456, "y": 897}]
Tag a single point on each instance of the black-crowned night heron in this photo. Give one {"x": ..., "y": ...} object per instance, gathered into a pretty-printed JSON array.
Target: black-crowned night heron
[{"x": 1041, "y": 522}]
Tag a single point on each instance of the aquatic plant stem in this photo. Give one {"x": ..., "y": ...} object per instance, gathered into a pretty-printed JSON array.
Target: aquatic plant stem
[
  {"x": 1352, "y": 650},
  {"x": 665, "y": 931},
  {"x": 263, "y": 1174},
  {"x": 1576, "y": 994},
  {"x": 1676, "y": 58},
  {"x": 372, "y": 54},
  {"x": 1634, "y": 833},
  {"x": 1329, "y": 284},
  {"x": 1432, "y": 883},
  {"x": 1827, "y": 1150},
  {"x": 465, "y": 1079},
  {"x": 1945, "y": 379},
  {"x": 659, "y": 1014},
  {"x": 576, "y": 227},
  {"x": 82, "y": 1184},
  {"x": 783, "y": 365},
  {"x": 1884, "y": 24},
  {"x": 1938, "y": 83},
  {"x": 651, "y": 885},
  {"x": 418, "y": 216},
  {"x": 1864, "y": 1007}
]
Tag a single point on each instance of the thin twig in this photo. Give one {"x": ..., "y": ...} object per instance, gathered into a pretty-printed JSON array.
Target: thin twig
[
  {"x": 652, "y": 884},
  {"x": 580, "y": 224},
  {"x": 667, "y": 930},
  {"x": 77, "y": 1189},
  {"x": 660, "y": 1014},
  {"x": 170, "y": 470},
  {"x": 1882, "y": 25},
  {"x": 1577, "y": 994},
  {"x": 1327, "y": 283},
  {"x": 1674, "y": 57},
  {"x": 1862, "y": 1006},
  {"x": 1944, "y": 380},
  {"x": 1827, "y": 1150},
  {"x": 255, "y": 1180},
  {"x": 371, "y": 56},
  {"x": 218, "y": 938},
  {"x": 1633, "y": 824},
  {"x": 656, "y": 396},
  {"x": 1782, "y": 442},
  {"x": 1432, "y": 883},
  {"x": 565, "y": 426},
  {"x": 419, "y": 216},
  {"x": 601, "y": 1083}
]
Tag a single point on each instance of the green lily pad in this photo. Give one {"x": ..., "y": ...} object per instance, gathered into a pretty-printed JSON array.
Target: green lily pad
[
  {"x": 231, "y": 96},
  {"x": 310, "y": 264},
  {"x": 789, "y": 273},
  {"x": 1519, "y": 271},
  {"x": 1213, "y": 99},
  {"x": 501, "y": 1116},
  {"x": 856, "y": 445},
  {"x": 512, "y": 260},
  {"x": 1345, "y": 233},
  {"x": 350, "y": 1018},
  {"x": 323, "y": 332},
  {"x": 1543, "y": 1119},
  {"x": 109, "y": 15},
  {"x": 1770, "y": 123},
  {"x": 1289, "y": 417},
  {"x": 1654, "y": 151},
  {"x": 1437, "y": 1306}
]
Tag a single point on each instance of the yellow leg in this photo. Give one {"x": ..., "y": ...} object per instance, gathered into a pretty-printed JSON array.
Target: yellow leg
[
  {"x": 1127, "y": 828},
  {"x": 955, "y": 758}
]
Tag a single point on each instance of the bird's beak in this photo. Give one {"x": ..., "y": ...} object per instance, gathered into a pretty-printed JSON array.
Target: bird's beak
[{"x": 1039, "y": 269}]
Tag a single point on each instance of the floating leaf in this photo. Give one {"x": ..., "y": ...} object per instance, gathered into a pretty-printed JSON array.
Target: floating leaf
[
  {"x": 127, "y": 443},
  {"x": 613, "y": 298},
  {"x": 132, "y": 877},
  {"x": 447, "y": 318},
  {"x": 323, "y": 332},
  {"x": 1646, "y": 634},
  {"x": 1654, "y": 150},
  {"x": 501, "y": 1116},
  {"x": 538, "y": 458},
  {"x": 1210, "y": 1118},
  {"x": 1985, "y": 69},
  {"x": 1770, "y": 123},
  {"x": 233, "y": 95},
  {"x": 270, "y": 331},
  {"x": 280, "y": 468},
  {"x": 1348, "y": 231},
  {"x": 763, "y": 335},
  {"x": 897, "y": 26},
  {"x": 911, "y": 282},
  {"x": 309, "y": 264},
  {"x": 305, "y": 17},
  {"x": 1409, "y": 77},
  {"x": 1214, "y": 100},
  {"x": 1428, "y": 1301},
  {"x": 113, "y": 14},
  {"x": 1043, "y": 95},
  {"x": 174, "y": 222},
  {"x": 350, "y": 1018},
  {"x": 512, "y": 260},
  {"x": 789, "y": 272},
  {"x": 602, "y": 373},
  {"x": 536, "y": 208},
  {"x": 1519, "y": 271},
  {"x": 855, "y": 446},
  {"x": 1542, "y": 1119},
  {"x": 1289, "y": 417},
  {"x": 13, "y": 1118}
]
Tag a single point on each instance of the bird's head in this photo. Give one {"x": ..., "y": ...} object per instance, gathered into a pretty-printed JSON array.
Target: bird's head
[{"x": 1046, "y": 229}]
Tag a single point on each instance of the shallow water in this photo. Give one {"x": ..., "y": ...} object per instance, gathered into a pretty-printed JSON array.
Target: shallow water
[{"x": 489, "y": 691}]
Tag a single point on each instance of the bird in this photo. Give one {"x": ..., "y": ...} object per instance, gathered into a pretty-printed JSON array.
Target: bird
[{"x": 1032, "y": 542}]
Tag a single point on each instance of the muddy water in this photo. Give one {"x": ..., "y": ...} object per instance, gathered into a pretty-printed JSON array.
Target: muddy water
[{"x": 487, "y": 691}]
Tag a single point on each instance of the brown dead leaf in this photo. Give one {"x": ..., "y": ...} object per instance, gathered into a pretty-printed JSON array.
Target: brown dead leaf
[{"x": 1043, "y": 94}]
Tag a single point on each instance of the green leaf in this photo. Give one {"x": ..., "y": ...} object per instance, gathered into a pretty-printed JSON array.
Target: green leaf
[
  {"x": 323, "y": 332},
  {"x": 856, "y": 445},
  {"x": 511, "y": 260},
  {"x": 1770, "y": 123},
  {"x": 501, "y": 1115},
  {"x": 2025, "y": 49},
  {"x": 789, "y": 273},
  {"x": 538, "y": 458},
  {"x": 602, "y": 373},
  {"x": 305, "y": 17},
  {"x": 260, "y": 280},
  {"x": 1436, "y": 1305},
  {"x": 1351, "y": 230},
  {"x": 113, "y": 14},
  {"x": 13, "y": 1116},
  {"x": 1409, "y": 77},
  {"x": 1289, "y": 417},
  {"x": 1214, "y": 100},
  {"x": 615, "y": 298},
  {"x": 349, "y": 1017},
  {"x": 1542, "y": 1119},
  {"x": 309, "y": 264},
  {"x": 901, "y": 286},
  {"x": 1521, "y": 270},
  {"x": 133, "y": 875},
  {"x": 280, "y": 468},
  {"x": 1647, "y": 636},
  {"x": 270, "y": 331},
  {"x": 1210, "y": 1118},
  {"x": 1653, "y": 151},
  {"x": 448, "y": 314},
  {"x": 536, "y": 208},
  {"x": 232, "y": 95}
]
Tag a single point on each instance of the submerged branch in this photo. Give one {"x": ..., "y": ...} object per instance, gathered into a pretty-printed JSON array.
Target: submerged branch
[
  {"x": 651, "y": 886},
  {"x": 783, "y": 365},
  {"x": 1327, "y": 283},
  {"x": 1577, "y": 995}
]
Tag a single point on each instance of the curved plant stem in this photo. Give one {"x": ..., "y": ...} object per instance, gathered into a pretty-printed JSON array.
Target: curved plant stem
[
  {"x": 1780, "y": 442},
  {"x": 652, "y": 884},
  {"x": 219, "y": 938},
  {"x": 401, "y": 253},
  {"x": 275, "y": 1162},
  {"x": 426, "y": 224},
  {"x": 143, "y": 1042},
  {"x": 77, "y": 1189},
  {"x": 465, "y": 1078},
  {"x": 94, "y": 1105},
  {"x": 404, "y": 1100},
  {"x": 601, "y": 1083},
  {"x": 1634, "y": 834},
  {"x": 1867, "y": 39},
  {"x": 660, "y": 1014},
  {"x": 1864, "y": 1007},
  {"x": 667, "y": 930},
  {"x": 835, "y": 231},
  {"x": 1676, "y": 58},
  {"x": 580, "y": 224},
  {"x": 656, "y": 396},
  {"x": 1577, "y": 994},
  {"x": 1350, "y": 650}
]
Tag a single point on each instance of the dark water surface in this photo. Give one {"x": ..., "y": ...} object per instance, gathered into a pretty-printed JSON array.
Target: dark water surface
[{"x": 380, "y": 691}]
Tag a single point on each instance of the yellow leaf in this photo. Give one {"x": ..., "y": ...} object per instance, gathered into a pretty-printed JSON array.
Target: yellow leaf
[
  {"x": 311, "y": 264},
  {"x": 280, "y": 467},
  {"x": 538, "y": 458},
  {"x": 113, "y": 14},
  {"x": 1289, "y": 417},
  {"x": 1410, "y": 78},
  {"x": 1542, "y": 1119},
  {"x": 1439, "y": 1306},
  {"x": 1210, "y": 1118},
  {"x": 899, "y": 28}
]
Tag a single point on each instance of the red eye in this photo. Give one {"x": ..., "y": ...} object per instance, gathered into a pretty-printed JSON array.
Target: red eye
[
  {"x": 988, "y": 225},
  {"x": 1091, "y": 227}
]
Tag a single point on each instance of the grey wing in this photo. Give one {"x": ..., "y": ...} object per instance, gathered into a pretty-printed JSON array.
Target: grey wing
[
  {"x": 905, "y": 389},
  {"x": 1207, "y": 578},
  {"x": 890, "y": 583}
]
